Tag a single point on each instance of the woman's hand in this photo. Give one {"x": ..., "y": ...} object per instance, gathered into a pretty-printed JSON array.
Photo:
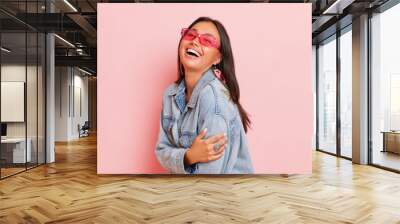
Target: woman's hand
[{"x": 205, "y": 150}]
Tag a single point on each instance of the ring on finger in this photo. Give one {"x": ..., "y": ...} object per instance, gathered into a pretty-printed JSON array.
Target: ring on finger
[{"x": 216, "y": 146}]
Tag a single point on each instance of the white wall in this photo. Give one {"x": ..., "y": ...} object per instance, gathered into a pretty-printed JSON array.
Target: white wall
[
  {"x": 15, "y": 72},
  {"x": 62, "y": 81},
  {"x": 9, "y": 73},
  {"x": 70, "y": 84},
  {"x": 80, "y": 84}
]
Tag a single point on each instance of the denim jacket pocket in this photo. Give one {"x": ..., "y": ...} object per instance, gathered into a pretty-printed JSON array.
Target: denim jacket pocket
[
  {"x": 186, "y": 139},
  {"x": 167, "y": 122},
  {"x": 167, "y": 125}
]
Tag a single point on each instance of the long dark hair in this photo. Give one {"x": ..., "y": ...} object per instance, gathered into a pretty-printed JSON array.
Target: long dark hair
[{"x": 226, "y": 65}]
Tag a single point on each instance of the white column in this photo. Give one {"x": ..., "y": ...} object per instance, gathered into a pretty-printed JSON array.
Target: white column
[
  {"x": 50, "y": 93},
  {"x": 360, "y": 90}
]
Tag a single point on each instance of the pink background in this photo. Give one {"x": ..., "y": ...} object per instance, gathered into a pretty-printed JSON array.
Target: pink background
[{"x": 137, "y": 56}]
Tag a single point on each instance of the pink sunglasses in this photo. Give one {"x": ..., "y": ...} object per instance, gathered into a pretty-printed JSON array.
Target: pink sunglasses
[{"x": 206, "y": 40}]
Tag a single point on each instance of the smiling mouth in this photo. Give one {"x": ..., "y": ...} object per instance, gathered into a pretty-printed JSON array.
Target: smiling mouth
[{"x": 192, "y": 52}]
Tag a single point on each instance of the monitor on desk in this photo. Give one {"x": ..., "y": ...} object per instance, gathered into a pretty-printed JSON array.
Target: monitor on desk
[{"x": 3, "y": 130}]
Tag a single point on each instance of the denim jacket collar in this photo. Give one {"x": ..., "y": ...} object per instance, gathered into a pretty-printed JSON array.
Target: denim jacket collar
[{"x": 179, "y": 91}]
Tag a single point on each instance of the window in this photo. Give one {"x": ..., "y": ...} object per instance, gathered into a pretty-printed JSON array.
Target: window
[
  {"x": 346, "y": 92},
  {"x": 385, "y": 89},
  {"x": 327, "y": 95}
]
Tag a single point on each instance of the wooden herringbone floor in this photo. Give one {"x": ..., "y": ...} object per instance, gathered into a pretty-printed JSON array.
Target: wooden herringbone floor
[{"x": 70, "y": 191}]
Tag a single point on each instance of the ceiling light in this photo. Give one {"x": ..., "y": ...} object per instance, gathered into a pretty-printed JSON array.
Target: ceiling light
[
  {"x": 338, "y": 6},
  {"x": 86, "y": 72},
  {"x": 70, "y": 5},
  {"x": 64, "y": 40},
  {"x": 5, "y": 50}
]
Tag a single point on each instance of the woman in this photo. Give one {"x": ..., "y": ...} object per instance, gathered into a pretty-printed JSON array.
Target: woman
[{"x": 203, "y": 124}]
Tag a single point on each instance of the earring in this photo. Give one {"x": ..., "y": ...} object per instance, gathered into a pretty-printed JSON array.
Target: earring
[{"x": 218, "y": 72}]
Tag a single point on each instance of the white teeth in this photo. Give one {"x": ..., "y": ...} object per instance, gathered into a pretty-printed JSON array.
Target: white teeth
[{"x": 193, "y": 51}]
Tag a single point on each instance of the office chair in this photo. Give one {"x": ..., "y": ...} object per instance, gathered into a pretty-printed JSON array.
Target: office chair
[{"x": 84, "y": 130}]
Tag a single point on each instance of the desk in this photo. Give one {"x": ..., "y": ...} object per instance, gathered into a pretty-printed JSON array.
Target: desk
[
  {"x": 15, "y": 148},
  {"x": 391, "y": 141}
]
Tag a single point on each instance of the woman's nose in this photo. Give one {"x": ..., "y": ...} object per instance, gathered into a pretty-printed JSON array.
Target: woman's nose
[{"x": 196, "y": 41}]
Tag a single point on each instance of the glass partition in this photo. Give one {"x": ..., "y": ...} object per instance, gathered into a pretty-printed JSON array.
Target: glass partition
[
  {"x": 13, "y": 98},
  {"x": 32, "y": 95},
  {"x": 22, "y": 101},
  {"x": 41, "y": 87}
]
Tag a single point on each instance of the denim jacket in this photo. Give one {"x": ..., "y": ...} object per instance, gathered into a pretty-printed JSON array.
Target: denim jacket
[{"x": 209, "y": 107}]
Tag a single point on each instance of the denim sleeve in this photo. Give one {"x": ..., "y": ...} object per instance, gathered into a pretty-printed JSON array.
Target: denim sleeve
[
  {"x": 170, "y": 156},
  {"x": 240, "y": 160},
  {"x": 215, "y": 122}
]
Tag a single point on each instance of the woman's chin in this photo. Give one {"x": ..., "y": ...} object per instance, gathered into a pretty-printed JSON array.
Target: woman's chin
[{"x": 192, "y": 66}]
